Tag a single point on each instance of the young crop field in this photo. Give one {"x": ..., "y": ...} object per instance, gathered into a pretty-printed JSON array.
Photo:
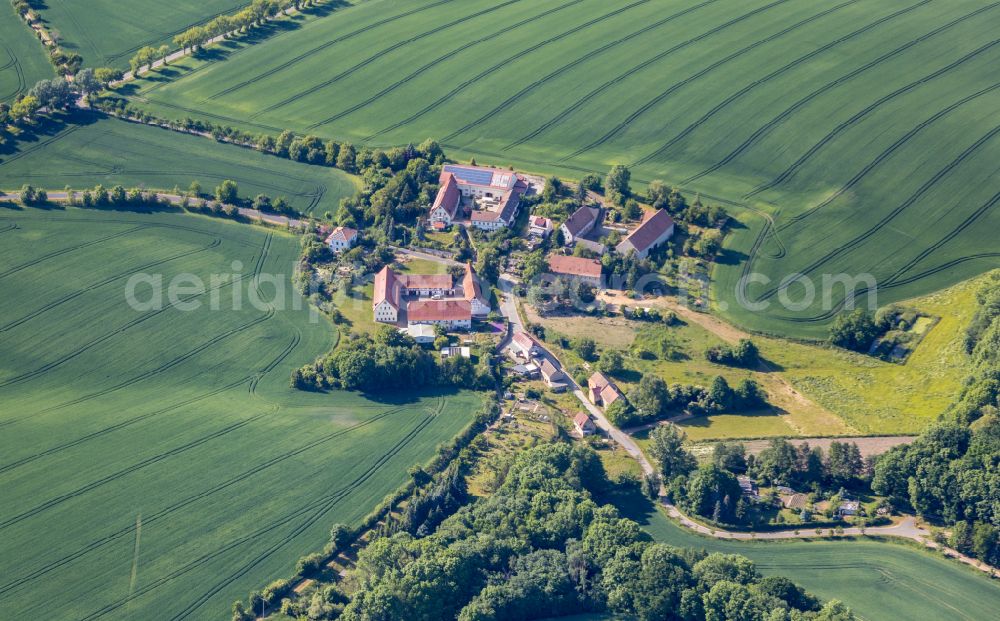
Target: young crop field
[
  {"x": 107, "y": 34},
  {"x": 847, "y": 136},
  {"x": 879, "y": 581},
  {"x": 156, "y": 463},
  {"x": 22, "y": 57},
  {"x": 85, "y": 152}
]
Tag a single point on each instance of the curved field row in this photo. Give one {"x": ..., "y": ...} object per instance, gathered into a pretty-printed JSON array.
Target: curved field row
[
  {"x": 25, "y": 61},
  {"x": 662, "y": 149},
  {"x": 319, "y": 48},
  {"x": 107, "y": 34},
  {"x": 521, "y": 54},
  {"x": 513, "y": 98},
  {"x": 185, "y": 502},
  {"x": 380, "y": 54},
  {"x": 888, "y": 217},
  {"x": 839, "y": 129},
  {"x": 161, "y": 419},
  {"x": 893, "y": 148},
  {"x": 783, "y": 116},
  {"x": 313, "y": 513},
  {"x": 678, "y": 85},
  {"x": 115, "y": 152},
  {"x": 105, "y": 281},
  {"x": 440, "y": 59}
]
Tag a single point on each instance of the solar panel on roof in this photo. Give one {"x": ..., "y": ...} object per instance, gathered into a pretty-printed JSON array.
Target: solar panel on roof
[{"x": 471, "y": 175}]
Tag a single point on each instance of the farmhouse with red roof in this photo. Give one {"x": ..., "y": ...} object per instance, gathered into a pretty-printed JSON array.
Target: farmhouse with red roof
[
  {"x": 428, "y": 299},
  {"x": 602, "y": 391},
  {"x": 576, "y": 268},
  {"x": 495, "y": 194},
  {"x": 342, "y": 238},
  {"x": 656, "y": 228}
]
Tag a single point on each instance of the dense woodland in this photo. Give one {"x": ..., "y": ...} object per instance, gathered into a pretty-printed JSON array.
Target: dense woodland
[
  {"x": 952, "y": 472},
  {"x": 541, "y": 546}
]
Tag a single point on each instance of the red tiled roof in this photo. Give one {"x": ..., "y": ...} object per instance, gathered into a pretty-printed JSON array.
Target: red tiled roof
[
  {"x": 342, "y": 233},
  {"x": 581, "y": 420},
  {"x": 426, "y": 281},
  {"x": 598, "y": 380},
  {"x": 575, "y": 266},
  {"x": 470, "y": 285},
  {"x": 581, "y": 219},
  {"x": 549, "y": 370},
  {"x": 525, "y": 340},
  {"x": 386, "y": 288},
  {"x": 448, "y": 196},
  {"x": 653, "y": 226},
  {"x": 610, "y": 394},
  {"x": 540, "y": 222},
  {"x": 439, "y": 310}
]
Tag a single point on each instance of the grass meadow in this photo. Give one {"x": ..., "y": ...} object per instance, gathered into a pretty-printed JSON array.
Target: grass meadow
[
  {"x": 836, "y": 131},
  {"x": 22, "y": 57},
  {"x": 156, "y": 464},
  {"x": 879, "y": 581},
  {"x": 83, "y": 150}
]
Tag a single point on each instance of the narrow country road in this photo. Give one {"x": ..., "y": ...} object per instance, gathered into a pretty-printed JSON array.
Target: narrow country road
[{"x": 61, "y": 196}]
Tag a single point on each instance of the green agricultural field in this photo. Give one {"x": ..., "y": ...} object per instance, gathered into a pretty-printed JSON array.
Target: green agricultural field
[
  {"x": 89, "y": 151},
  {"x": 22, "y": 57},
  {"x": 880, "y": 581},
  {"x": 107, "y": 34},
  {"x": 847, "y": 136},
  {"x": 155, "y": 463}
]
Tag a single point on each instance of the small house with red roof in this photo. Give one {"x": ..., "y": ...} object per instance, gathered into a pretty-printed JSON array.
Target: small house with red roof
[
  {"x": 656, "y": 228},
  {"x": 584, "y": 426},
  {"x": 602, "y": 391},
  {"x": 341, "y": 238},
  {"x": 576, "y": 268}
]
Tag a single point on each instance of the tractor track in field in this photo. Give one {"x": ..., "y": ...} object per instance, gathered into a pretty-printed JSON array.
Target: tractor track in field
[
  {"x": 186, "y": 612},
  {"x": 105, "y": 281},
  {"x": 111, "y": 478},
  {"x": 170, "y": 364},
  {"x": 440, "y": 59},
  {"x": 198, "y": 112},
  {"x": 166, "y": 225},
  {"x": 40, "y": 145},
  {"x": 622, "y": 125},
  {"x": 829, "y": 86},
  {"x": 68, "y": 249},
  {"x": 835, "y": 132},
  {"x": 537, "y": 83},
  {"x": 774, "y": 74},
  {"x": 104, "y": 337},
  {"x": 171, "y": 509},
  {"x": 313, "y": 512},
  {"x": 896, "y": 280},
  {"x": 204, "y": 19},
  {"x": 323, "y": 46},
  {"x": 395, "y": 46},
  {"x": 10, "y": 227},
  {"x": 500, "y": 65},
  {"x": 112, "y": 428},
  {"x": 142, "y": 318},
  {"x": 940, "y": 268},
  {"x": 16, "y": 64},
  {"x": 296, "y": 339},
  {"x": 969, "y": 221},
  {"x": 558, "y": 118},
  {"x": 891, "y": 215},
  {"x": 889, "y": 151}
]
